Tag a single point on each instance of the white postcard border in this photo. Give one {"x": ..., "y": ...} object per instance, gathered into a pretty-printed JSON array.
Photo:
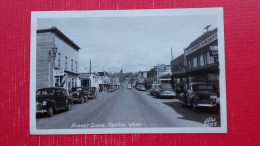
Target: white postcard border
[{"x": 129, "y": 13}]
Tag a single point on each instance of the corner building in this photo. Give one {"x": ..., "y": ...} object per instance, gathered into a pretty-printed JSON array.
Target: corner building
[
  {"x": 57, "y": 60},
  {"x": 201, "y": 59}
]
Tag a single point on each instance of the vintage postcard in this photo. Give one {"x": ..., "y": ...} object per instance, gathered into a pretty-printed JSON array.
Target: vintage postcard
[{"x": 128, "y": 71}]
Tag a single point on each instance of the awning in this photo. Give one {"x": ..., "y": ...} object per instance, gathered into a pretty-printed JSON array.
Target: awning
[{"x": 178, "y": 75}]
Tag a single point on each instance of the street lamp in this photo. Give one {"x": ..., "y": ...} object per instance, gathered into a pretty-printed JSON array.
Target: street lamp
[{"x": 51, "y": 55}]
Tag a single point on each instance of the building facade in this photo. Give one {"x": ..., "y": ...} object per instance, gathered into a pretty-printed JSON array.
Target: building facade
[
  {"x": 89, "y": 80},
  {"x": 57, "y": 60},
  {"x": 154, "y": 74},
  {"x": 201, "y": 59},
  {"x": 178, "y": 70}
]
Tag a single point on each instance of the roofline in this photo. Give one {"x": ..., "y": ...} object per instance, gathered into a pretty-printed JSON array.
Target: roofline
[
  {"x": 210, "y": 31},
  {"x": 60, "y": 34}
]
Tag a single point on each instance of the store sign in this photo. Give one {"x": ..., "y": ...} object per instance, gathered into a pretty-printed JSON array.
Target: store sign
[
  {"x": 84, "y": 76},
  {"x": 58, "y": 72},
  {"x": 202, "y": 44},
  {"x": 213, "y": 50}
]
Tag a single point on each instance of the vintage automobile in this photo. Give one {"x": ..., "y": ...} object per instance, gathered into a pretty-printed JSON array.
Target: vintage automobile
[
  {"x": 137, "y": 87},
  {"x": 152, "y": 89},
  {"x": 49, "y": 100},
  {"x": 80, "y": 94},
  {"x": 166, "y": 90},
  {"x": 199, "y": 95},
  {"x": 92, "y": 92},
  {"x": 129, "y": 86},
  {"x": 156, "y": 90},
  {"x": 141, "y": 88}
]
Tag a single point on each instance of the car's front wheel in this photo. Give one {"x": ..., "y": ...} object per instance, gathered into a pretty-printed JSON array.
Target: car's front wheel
[
  {"x": 86, "y": 98},
  {"x": 50, "y": 111}
]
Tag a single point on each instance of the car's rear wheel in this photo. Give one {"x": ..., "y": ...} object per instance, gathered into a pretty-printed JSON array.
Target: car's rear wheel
[{"x": 50, "y": 111}]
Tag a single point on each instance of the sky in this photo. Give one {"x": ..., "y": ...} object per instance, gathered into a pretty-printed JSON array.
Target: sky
[{"x": 130, "y": 43}]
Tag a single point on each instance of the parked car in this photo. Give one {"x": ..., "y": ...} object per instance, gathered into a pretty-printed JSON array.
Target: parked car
[
  {"x": 153, "y": 87},
  {"x": 137, "y": 87},
  {"x": 166, "y": 90},
  {"x": 80, "y": 94},
  {"x": 199, "y": 95},
  {"x": 156, "y": 90},
  {"x": 92, "y": 92},
  {"x": 129, "y": 86},
  {"x": 49, "y": 100},
  {"x": 141, "y": 88}
]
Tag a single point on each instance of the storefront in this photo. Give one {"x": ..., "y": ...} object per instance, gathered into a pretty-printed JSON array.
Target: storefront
[
  {"x": 66, "y": 79},
  {"x": 201, "y": 59}
]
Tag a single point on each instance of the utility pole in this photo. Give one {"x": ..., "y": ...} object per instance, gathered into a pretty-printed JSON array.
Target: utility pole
[
  {"x": 171, "y": 53},
  {"x": 90, "y": 67}
]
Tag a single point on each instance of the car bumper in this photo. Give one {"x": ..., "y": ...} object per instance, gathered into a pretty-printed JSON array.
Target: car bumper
[
  {"x": 206, "y": 105},
  {"x": 41, "y": 111},
  {"x": 167, "y": 95}
]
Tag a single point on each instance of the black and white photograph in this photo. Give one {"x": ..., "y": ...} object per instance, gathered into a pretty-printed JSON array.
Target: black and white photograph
[{"x": 128, "y": 71}]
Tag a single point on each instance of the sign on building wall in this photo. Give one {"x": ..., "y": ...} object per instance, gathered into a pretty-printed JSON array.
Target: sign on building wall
[
  {"x": 58, "y": 72},
  {"x": 203, "y": 43}
]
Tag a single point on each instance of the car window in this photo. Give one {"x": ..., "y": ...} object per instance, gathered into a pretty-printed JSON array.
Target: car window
[
  {"x": 38, "y": 93},
  {"x": 44, "y": 92},
  {"x": 64, "y": 92},
  {"x": 202, "y": 87}
]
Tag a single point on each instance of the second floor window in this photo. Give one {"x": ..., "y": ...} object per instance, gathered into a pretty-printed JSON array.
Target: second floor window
[
  {"x": 59, "y": 59},
  {"x": 71, "y": 64},
  {"x": 76, "y": 66},
  {"x": 66, "y": 62}
]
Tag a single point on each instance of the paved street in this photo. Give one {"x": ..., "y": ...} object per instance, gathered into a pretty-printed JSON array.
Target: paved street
[{"x": 126, "y": 108}]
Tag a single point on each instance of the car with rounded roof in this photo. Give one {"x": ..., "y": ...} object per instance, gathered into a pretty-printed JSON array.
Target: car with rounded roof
[{"x": 50, "y": 100}]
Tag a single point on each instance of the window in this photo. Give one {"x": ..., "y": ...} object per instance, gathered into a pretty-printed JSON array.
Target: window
[
  {"x": 64, "y": 92},
  {"x": 58, "y": 59},
  {"x": 72, "y": 82},
  {"x": 210, "y": 59},
  {"x": 76, "y": 66},
  {"x": 58, "y": 92},
  {"x": 195, "y": 62},
  {"x": 205, "y": 58},
  {"x": 201, "y": 60},
  {"x": 71, "y": 64},
  {"x": 66, "y": 62}
]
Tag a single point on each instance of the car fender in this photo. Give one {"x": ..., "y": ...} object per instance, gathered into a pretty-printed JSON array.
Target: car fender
[{"x": 51, "y": 102}]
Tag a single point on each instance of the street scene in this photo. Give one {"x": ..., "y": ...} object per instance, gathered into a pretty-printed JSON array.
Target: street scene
[
  {"x": 127, "y": 108},
  {"x": 141, "y": 72}
]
